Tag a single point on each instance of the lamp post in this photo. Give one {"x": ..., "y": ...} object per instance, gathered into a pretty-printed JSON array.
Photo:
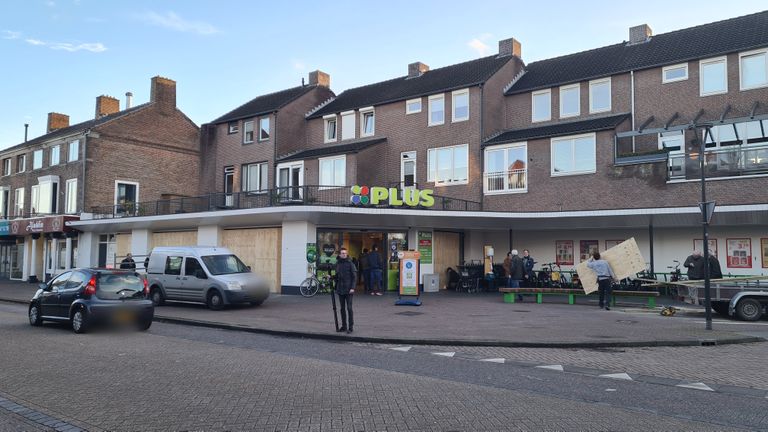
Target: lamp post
[{"x": 707, "y": 209}]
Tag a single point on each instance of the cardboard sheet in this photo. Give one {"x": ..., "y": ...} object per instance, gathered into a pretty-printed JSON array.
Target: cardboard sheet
[{"x": 625, "y": 260}]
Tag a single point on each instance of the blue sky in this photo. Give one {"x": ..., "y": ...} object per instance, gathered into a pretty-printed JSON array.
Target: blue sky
[{"x": 58, "y": 55}]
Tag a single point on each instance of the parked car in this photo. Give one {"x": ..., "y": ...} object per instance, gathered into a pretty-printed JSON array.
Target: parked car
[
  {"x": 211, "y": 275},
  {"x": 91, "y": 297}
]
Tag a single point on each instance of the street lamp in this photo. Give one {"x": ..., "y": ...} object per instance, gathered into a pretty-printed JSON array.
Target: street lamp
[{"x": 707, "y": 209}]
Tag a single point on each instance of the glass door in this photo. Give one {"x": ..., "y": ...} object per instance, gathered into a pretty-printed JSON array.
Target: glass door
[
  {"x": 5, "y": 261},
  {"x": 229, "y": 186},
  {"x": 408, "y": 170},
  {"x": 290, "y": 179},
  {"x": 17, "y": 261}
]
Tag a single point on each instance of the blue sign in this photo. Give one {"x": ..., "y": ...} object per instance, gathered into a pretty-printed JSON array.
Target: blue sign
[
  {"x": 5, "y": 229},
  {"x": 409, "y": 265}
]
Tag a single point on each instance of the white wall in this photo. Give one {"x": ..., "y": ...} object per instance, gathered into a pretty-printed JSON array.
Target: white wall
[
  {"x": 209, "y": 235},
  {"x": 296, "y": 235},
  {"x": 88, "y": 250}
]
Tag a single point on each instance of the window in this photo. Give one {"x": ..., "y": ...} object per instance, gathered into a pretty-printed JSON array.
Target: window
[
  {"x": 71, "y": 204},
  {"x": 34, "y": 199},
  {"x": 55, "y": 158},
  {"x": 448, "y": 164},
  {"x": 413, "y": 106},
  {"x": 44, "y": 195},
  {"x": 674, "y": 73},
  {"x": 37, "y": 159},
  {"x": 347, "y": 125},
  {"x": 506, "y": 168},
  {"x": 126, "y": 195},
  {"x": 600, "y": 95},
  {"x": 713, "y": 76},
  {"x": 264, "y": 129},
  {"x": 255, "y": 177},
  {"x": 367, "y": 120},
  {"x": 436, "y": 110},
  {"x": 191, "y": 267},
  {"x": 5, "y": 193},
  {"x": 753, "y": 70},
  {"x": 674, "y": 142},
  {"x": 570, "y": 100},
  {"x": 541, "y": 108},
  {"x": 21, "y": 163},
  {"x": 573, "y": 155},
  {"x": 460, "y": 105},
  {"x": 18, "y": 202},
  {"x": 248, "y": 132},
  {"x": 408, "y": 169},
  {"x": 173, "y": 265},
  {"x": 7, "y": 166},
  {"x": 233, "y": 128},
  {"x": 74, "y": 151},
  {"x": 333, "y": 171},
  {"x": 330, "y": 128}
]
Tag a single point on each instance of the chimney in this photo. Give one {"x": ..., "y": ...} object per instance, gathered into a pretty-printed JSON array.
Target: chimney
[
  {"x": 511, "y": 46},
  {"x": 128, "y": 100},
  {"x": 639, "y": 34},
  {"x": 163, "y": 93},
  {"x": 57, "y": 121},
  {"x": 319, "y": 78},
  {"x": 417, "y": 69},
  {"x": 106, "y": 105},
  {"x": 26, "y": 129}
]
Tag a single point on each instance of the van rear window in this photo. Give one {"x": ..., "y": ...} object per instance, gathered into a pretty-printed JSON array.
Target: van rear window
[{"x": 224, "y": 264}]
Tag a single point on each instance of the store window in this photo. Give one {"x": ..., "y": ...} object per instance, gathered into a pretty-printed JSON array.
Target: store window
[
  {"x": 448, "y": 165},
  {"x": 573, "y": 155}
]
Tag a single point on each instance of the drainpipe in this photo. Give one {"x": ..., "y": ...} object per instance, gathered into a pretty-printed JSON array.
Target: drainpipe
[
  {"x": 632, "y": 100},
  {"x": 85, "y": 162},
  {"x": 482, "y": 153},
  {"x": 274, "y": 153}
]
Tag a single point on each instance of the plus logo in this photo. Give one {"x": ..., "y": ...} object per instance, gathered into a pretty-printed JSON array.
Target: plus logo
[{"x": 361, "y": 195}]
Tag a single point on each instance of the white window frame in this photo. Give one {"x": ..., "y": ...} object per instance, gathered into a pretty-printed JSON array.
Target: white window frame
[
  {"x": 345, "y": 135},
  {"x": 504, "y": 147},
  {"x": 569, "y": 138},
  {"x": 326, "y": 120},
  {"x": 18, "y": 202},
  {"x": 363, "y": 113},
  {"x": 412, "y": 101},
  {"x": 596, "y": 82},
  {"x": 565, "y": 88},
  {"x": 117, "y": 182},
  {"x": 331, "y": 159},
  {"x": 245, "y": 131},
  {"x": 73, "y": 156},
  {"x": 34, "y": 199},
  {"x": 763, "y": 51},
  {"x": 433, "y": 99},
  {"x": 431, "y": 175},
  {"x": 665, "y": 80},
  {"x": 7, "y": 166},
  {"x": 262, "y": 188},
  {"x": 702, "y": 63},
  {"x": 455, "y": 93},
  {"x": 547, "y": 92},
  {"x": 23, "y": 163},
  {"x": 410, "y": 156},
  {"x": 663, "y": 139},
  {"x": 261, "y": 129},
  {"x": 233, "y": 127},
  {"x": 35, "y": 155},
  {"x": 69, "y": 199},
  {"x": 45, "y": 194},
  {"x": 57, "y": 160},
  {"x": 3, "y": 204}
]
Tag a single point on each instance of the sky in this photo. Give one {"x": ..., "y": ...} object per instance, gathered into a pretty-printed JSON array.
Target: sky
[{"x": 59, "y": 55}]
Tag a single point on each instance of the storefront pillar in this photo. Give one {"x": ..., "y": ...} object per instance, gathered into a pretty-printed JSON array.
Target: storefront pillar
[
  {"x": 295, "y": 236},
  {"x": 68, "y": 255},
  {"x": 88, "y": 250},
  {"x": 209, "y": 235},
  {"x": 33, "y": 260}
]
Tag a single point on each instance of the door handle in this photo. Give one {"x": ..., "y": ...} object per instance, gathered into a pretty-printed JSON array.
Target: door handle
[
  {"x": 178, "y": 278},
  {"x": 184, "y": 278}
]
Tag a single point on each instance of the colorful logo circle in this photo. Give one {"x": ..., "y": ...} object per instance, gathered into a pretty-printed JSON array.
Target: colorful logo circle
[{"x": 360, "y": 195}]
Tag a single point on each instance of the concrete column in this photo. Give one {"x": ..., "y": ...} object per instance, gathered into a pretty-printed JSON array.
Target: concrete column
[
  {"x": 33, "y": 262},
  {"x": 53, "y": 256},
  {"x": 68, "y": 256},
  {"x": 295, "y": 236},
  {"x": 88, "y": 250},
  {"x": 209, "y": 235},
  {"x": 25, "y": 264}
]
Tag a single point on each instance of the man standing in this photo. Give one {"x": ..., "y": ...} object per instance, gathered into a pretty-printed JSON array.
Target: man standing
[
  {"x": 528, "y": 263},
  {"x": 695, "y": 265},
  {"x": 714, "y": 267},
  {"x": 605, "y": 277},
  {"x": 374, "y": 270},
  {"x": 516, "y": 271},
  {"x": 346, "y": 279},
  {"x": 364, "y": 275},
  {"x": 128, "y": 263}
]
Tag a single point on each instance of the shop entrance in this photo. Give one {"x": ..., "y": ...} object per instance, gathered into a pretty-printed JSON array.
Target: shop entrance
[
  {"x": 11, "y": 260},
  {"x": 389, "y": 243}
]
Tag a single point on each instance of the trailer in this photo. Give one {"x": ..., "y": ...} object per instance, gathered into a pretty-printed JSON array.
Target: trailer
[{"x": 745, "y": 298}]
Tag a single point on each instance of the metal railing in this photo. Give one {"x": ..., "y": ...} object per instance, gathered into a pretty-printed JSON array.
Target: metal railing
[
  {"x": 506, "y": 181},
  {"x": 737, "y": 160},
  {"x": 335, "y": 196}
]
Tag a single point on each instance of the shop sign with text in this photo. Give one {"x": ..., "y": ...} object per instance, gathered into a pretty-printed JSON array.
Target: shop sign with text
[{"x": 377, "y": 195}]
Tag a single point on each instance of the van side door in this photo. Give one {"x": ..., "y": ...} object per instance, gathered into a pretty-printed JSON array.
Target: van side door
[
  {"x": 172, "y": 278},
  {"x": 194, "y": 279}
]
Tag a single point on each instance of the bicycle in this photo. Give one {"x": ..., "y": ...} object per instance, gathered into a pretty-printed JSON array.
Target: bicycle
[
  {"x": 551, "y": 276},
  {"x": 312, "y": 284}
]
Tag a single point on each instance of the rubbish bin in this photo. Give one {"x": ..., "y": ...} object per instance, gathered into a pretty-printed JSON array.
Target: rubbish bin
[{"x": 431, "y": 283}]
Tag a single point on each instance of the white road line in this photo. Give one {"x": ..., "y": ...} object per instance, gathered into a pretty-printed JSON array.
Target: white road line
[
  {"x": 445, "y": 354},
  {"x": 696, "y": 386},
  {"x": 403, "y": 349},
  {"x": 558, "y": 368},
  {"x": 621, "y": 376},
  {"x": 494, "y": 360}
]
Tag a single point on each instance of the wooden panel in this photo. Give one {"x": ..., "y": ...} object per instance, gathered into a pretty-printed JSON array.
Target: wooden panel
[
  {"x": 179, "y": 238},
  {"x": 445, "y": 251},
  {"x": 625, "y": 260},
  {"x": 123, "y": 246},
  {"x": 259, "y": 248}
]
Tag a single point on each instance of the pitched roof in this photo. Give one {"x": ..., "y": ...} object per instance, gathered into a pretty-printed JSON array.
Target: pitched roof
[
  {"x": 76, "y": 128},
  {"x": 708, "y": 40},
  {"x": 452, "y": 77},
  {"x": 558, "y": 129},
  {"x": 265, "y": 104},
  {"x": 351, "y": 147}
]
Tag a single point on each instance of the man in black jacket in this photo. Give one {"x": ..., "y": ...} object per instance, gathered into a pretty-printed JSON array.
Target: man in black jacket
[
  {"x": 346, "y": 280},
  {"x": 695, "y": 265}
]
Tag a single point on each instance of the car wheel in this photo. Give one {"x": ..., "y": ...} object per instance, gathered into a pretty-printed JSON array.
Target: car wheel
[
  {"x": 156, "y": 296},
  {"x": 215, "y": 300},
  {"x": 257, "y": 303},
  {"x": 145, "y": 325},
  {"x": 35, "y": 316},
  {"x": 749, "y": 309},
  {"x": 79, "y": 321}
]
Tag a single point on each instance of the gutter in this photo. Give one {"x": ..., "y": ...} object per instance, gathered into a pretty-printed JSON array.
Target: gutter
[{"x": 85, "y": 163}]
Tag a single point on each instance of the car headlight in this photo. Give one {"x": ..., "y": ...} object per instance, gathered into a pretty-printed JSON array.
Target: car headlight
[{"x": 234, "y": 285}]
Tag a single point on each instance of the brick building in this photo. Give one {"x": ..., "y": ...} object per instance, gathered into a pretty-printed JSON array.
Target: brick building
[{"x": 113, "y": 161}]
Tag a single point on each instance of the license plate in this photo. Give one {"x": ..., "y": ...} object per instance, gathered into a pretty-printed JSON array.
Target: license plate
[{"x": 124, "y": 317}]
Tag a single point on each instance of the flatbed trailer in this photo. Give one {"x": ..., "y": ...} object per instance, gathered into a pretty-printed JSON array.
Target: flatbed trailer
[{"x": 746, "y": 298}]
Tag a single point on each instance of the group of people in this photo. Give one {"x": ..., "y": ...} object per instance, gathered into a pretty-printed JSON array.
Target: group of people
[
  {"x": 518, "y": 269},
  {"x": 696, "y": 266}
]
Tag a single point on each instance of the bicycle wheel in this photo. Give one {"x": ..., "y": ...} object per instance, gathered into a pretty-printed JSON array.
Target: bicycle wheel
[{"x": 309, "y": 287}]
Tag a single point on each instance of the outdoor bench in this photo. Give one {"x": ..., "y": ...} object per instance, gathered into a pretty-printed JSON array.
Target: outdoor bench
[
  {"x": 510, "y": 294},
  {"x": 650, "y": 295}
]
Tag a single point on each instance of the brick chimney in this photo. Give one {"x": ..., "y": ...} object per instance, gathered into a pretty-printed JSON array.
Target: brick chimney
[
  {"x": 106, "y": 105},
  {"x": 417, "y": 69},
  {"x": 163, "y": 92},
  {"x": 319, "y": 78},
  {"x": 57, "y": 121},
  {"x": 511, "y": 46},
  {"x": 639, "y": 34}
]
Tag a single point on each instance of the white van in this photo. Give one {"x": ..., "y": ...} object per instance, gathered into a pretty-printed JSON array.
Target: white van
[{"x": 211, "y": 275}]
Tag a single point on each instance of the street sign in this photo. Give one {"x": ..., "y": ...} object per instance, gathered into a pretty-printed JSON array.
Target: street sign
[{"x": 707, "y": 209}]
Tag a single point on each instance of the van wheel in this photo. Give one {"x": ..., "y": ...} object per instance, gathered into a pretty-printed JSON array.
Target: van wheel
[
  {"x": 35, "y": 317},
  {"x": 749, "y": 309},
  {"x": 156, "y": 296},
  {"x": 215, "y": 300},
  {"x": 79, "y": 321}
]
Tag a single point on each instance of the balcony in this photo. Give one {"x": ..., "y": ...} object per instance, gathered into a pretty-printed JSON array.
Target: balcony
[
  {"x": 511, "y": 181},
  {"x": 731, "y": 161}
]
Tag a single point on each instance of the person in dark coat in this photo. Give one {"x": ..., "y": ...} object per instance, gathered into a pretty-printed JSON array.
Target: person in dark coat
[
  {"x": 364, "y": 273},
  {"x": 507, "y": 265},
  {"x": 346, "y": 280},
  {"x": 528, "y": 263},
  {"x": 695, "y": 265},
  {"x": 714, "y": 268},
  {"x": 375, "y": 270},
  {"x": 516, "y": 271},
  {"x": 128, "y": 263}
]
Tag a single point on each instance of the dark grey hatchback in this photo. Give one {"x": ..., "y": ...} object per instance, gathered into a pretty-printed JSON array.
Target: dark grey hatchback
[{"x": 89, "y": 297}]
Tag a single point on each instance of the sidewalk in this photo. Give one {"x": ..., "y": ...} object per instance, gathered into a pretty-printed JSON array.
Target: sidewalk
[{"x": 446, "y": 318}]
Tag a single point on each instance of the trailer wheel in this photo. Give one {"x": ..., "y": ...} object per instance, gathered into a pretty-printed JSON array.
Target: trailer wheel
[{"x": 749, "y": 309}]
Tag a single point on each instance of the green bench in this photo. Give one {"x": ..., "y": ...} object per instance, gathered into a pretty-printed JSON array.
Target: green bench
[
  {"x": 650, "y": 295},
  {"x": 510, "y": 294}
]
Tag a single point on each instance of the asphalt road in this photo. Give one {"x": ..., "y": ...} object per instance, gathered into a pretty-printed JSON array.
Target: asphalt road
[{"x": 175, "y": 377}]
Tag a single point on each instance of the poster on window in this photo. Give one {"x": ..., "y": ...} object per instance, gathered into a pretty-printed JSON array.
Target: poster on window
[
  {"x": 587, "y": 248},
  {"x": 611, "y": 243},
  {"x": 698, "y": 245},
  {"x": 764, "y": 251},
  {"x": 564, "y": 252},
  {"x": 739, "y": 253}
]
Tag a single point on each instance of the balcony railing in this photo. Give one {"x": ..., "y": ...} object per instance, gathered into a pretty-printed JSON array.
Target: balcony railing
[
  {"x": 335, "y": 196},
  {"x": 505, "y": 181},
  {"x": 738, "y": 160}
]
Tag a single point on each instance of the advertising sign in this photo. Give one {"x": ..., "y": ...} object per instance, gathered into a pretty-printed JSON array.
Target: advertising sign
[
  {"x": 409, "y": 273},
  {"x": 311, "y": 252},
  {"x": 425, "y": 246},
  {"x": 5, "y": 229},
  {"x": 377, "y": 195},
  {"x": 739, "y": 253}
]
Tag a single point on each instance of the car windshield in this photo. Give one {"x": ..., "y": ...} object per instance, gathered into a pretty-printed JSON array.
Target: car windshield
[
  {"x": 115, "y": 286},
  {"x": 224, "y": 264}
]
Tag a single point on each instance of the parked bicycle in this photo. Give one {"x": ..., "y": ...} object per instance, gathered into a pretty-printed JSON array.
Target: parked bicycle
[
  {"x": 551, "y": 276},
  {"x": 312, "y": 284}
]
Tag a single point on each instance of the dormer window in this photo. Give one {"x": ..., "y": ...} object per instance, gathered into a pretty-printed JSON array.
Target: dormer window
[
  {"x": 233, "y": 127},
  {"x": 330, "y": 128},
  {"x": 367, "y": 122}
]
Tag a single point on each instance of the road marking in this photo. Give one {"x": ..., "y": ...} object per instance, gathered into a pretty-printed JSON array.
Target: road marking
[
  {"x": 558, "y": 368},
  {"x": 403, "y": 349},
  {"x": 739, "y": 323},
  {"x": 445, "y": 354},
  {"x": 621, "y": 376},
  {"x": 610, "y": 390},
  {"x": 696, "y": 386},
  {"x": 494, "y": 360}
]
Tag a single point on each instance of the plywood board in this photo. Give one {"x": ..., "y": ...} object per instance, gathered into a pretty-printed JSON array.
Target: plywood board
[
  {"x": 123, "y": 246},
  {"x": 258, "y": 248},
  {"x": 445, "y": 250},
  {"x": 178, "y": 238},
  {"x": 625, "y": 259}
]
